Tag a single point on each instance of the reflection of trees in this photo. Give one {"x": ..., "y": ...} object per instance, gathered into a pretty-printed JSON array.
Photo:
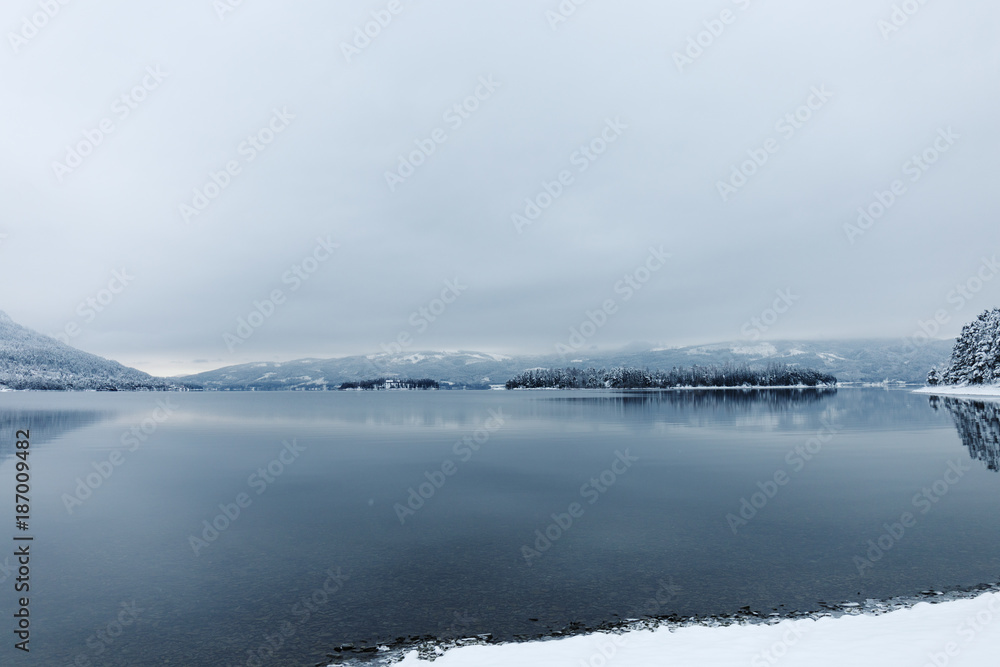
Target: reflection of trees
[
  {"x": 978, "y": 424},
  {"x": 772, "y": 398},
  {"x": 711, "y": 398},
  {"x": 767, "y": 408},
  {"x": 45, "y": 425}
]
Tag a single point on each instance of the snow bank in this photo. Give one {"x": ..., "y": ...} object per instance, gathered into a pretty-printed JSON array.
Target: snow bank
[
  {"x": 961, "y": 390},
  {"x": 956, "y": 633}
]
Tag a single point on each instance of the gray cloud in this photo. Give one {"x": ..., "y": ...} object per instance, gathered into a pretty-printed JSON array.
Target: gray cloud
[{"x": 324, "y": 173}]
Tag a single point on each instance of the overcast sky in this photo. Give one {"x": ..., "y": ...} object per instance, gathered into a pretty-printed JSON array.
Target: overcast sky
[{"x": 643, "y": 108}]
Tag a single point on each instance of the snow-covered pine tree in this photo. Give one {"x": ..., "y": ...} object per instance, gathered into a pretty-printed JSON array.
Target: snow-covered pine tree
[{"x": 975, "y": 359}]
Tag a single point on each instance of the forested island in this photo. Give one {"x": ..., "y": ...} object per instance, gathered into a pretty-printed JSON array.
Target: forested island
[
  {"x": 380, "y": 384},
  {"x": 772, "y": 375}
]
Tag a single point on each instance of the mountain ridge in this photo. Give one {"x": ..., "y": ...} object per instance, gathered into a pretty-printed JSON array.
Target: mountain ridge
[
  {"x": 30, "y": 360},
  {"x": 859, "y": 360}
]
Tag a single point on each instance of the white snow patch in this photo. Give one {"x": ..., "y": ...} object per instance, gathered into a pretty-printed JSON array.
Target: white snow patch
[
  {"x": 762, "y": 350},
  {"x": 961, "y": 390},
  {"x": 829, "y": 357},
  {"x": 961, "y": 633}
]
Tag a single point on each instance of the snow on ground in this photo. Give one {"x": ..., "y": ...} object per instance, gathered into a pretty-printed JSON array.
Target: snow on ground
[
  {"x": 961, "y": 390},
  {"x": 957, "y": 633},
  {"x": 760, "y": 350}
]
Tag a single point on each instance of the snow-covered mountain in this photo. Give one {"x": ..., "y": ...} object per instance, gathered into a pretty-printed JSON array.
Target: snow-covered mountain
[
  {"x": 29, "y": 360},
  {"x": 874, "y": 360}
]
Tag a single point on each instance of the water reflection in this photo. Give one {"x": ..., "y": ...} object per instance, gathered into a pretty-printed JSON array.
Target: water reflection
[
  {"x": 767, "y": 408},
  {"x": 701, "y": 398},
  {"x": 978, "y": 424},
  {"x": 44, "y": 425}
]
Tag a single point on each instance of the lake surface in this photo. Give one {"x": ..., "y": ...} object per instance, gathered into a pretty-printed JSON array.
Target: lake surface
[{"x": 366, "y": 517}]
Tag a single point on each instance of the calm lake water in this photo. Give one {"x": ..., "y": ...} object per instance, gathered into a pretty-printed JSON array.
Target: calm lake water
[{"x": 366, "y": 517}]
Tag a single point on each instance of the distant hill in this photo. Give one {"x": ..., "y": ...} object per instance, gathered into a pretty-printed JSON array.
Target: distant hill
[
  {"x": 872, "y": 360},
  {"x": 29, "y": 360}
]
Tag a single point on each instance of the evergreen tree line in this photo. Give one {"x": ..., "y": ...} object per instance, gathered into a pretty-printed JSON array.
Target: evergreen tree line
[
  {"x": 975, "y": 359},
  {"x": 743, "y": 375},
  {"x": 379, "y": 383}
]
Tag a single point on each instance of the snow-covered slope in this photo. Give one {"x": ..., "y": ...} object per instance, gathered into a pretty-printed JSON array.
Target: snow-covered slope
[{"x": 29, "y": 360}]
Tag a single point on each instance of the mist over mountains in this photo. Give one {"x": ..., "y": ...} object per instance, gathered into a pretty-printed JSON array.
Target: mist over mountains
[{"x": 30, "y": 360}]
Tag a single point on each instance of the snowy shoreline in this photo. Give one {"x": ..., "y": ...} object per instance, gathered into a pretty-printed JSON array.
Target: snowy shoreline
[
  {"x": 985, "y": 390},
  {"x": 903, "y": 632}
]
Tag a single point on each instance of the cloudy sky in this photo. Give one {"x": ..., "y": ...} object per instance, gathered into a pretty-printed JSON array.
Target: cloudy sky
[{"x": 168, "y": 168}]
